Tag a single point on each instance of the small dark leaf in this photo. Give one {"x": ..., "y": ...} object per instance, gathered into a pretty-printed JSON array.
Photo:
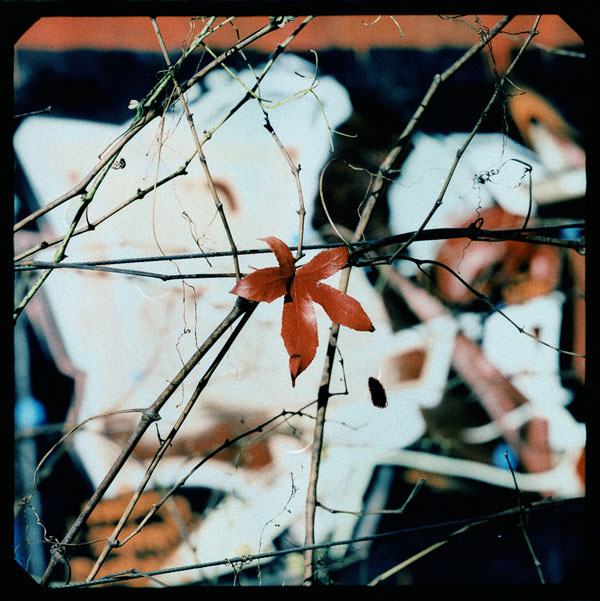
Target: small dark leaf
[{"x": 378, "y": 396}]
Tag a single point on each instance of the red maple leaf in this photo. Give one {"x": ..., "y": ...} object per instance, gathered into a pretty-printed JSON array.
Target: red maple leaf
[{"x": 300, "y": 288}]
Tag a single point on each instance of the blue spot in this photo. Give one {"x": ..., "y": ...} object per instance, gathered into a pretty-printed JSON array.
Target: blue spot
[
  {"x": 499, "y": 456},
  {"x": 29, "y": 412},
  {"x": 571, "y": 233}
]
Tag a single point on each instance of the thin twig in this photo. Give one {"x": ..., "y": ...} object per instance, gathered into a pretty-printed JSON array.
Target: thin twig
[
  {"x": 80, "y": 188},
  {"x": 92, "y": 225},
  {"x": 520, "y": 510},
  {"x": 207, "y": 135},
  {"x": 65, "y": 436},
  {"x": 30, "y": 113},
  {"x": 181, "y": 171},
  {"x": 199, "y": 151},
  {"x": 112, "y": 541},
  {"x": 522, "y": 521},
  {"x": 533, "y": 235},
  {"x": 398, "y": 511},
  {"x": 402, "y": 285},
  {"x": 119, "y": 143},
  {"x": 228, "y": 443},
  {"x": 295, "y": 169},
  {"x": 401, "y": 143},
  {"x": 543, "y": 504},
  {"x": 149, "y": 116},
  {"x": 333, "y": 225},
  {"x": 35, "y": 265},
  {"x": 152, "y": 579},
  {"x": 104, "y": 165},
  {"x": 251, "y": 93},
  {"x": 394, "y": 570},
  {"x": 460, "y": 152},
  {"x": 60, "y": 254}
]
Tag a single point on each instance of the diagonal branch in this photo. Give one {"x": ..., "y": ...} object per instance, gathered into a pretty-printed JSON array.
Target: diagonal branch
[
  {"x": 60, "y": 254},
  {"x": 462, "y": 149},
  {"x": 295, "y": 169},
  {"x": 389, "y": 161},
  {"x": 166, "y": 443},
  {"x": 228, "y": 443},
  {"x": 149, "y": 415},
  {"x": 199, "y": 151},
  {"x": 92, "y": 225},
  {"x": 151, "y": 113},
  {"x": 242, "y": 309},
  {"x": 377, "y": 185}
]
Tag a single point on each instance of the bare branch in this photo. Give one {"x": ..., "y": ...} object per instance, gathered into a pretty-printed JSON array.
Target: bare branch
[
  {"x": 199, "y": 151},
  {"x": 462, "y": 149},
  {"x": 149, "y": 415},
  {"x": 150, "y": 115},
  {"x": 323, "y": 396},
  {"x": 544, "y": 504}
]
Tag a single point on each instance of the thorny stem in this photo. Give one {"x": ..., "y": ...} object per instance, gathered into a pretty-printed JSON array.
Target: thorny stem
[
  {"x": 150, "y": 415},
  {"x": 323, "y": 395}
]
